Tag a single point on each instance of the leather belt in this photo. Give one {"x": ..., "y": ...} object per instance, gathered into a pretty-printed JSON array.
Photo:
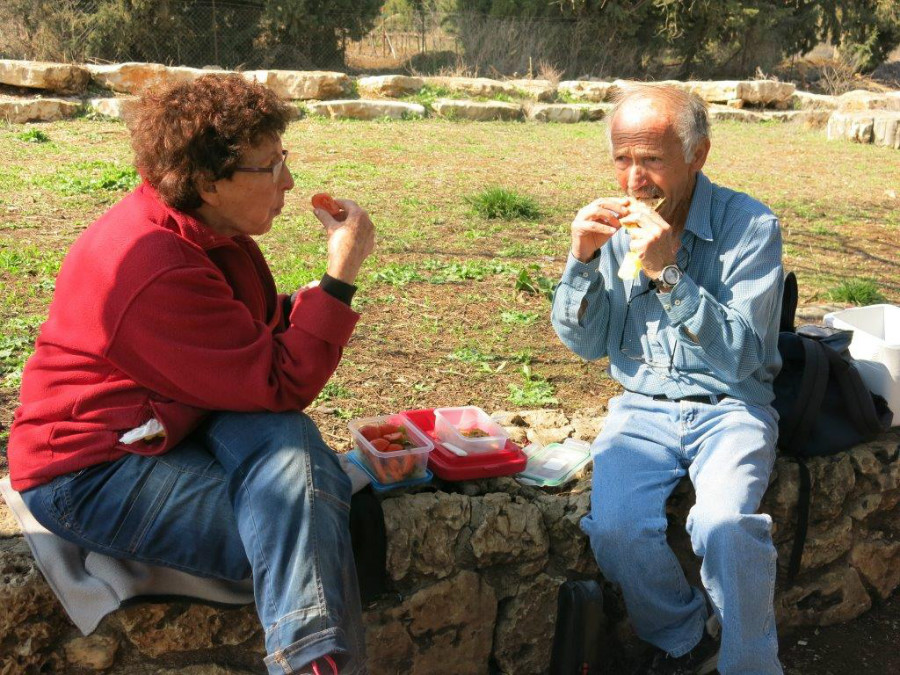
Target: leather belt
[{"x": 710, "y": 399}]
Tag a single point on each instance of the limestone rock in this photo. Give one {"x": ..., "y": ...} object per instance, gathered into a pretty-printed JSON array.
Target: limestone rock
[
  {"x": 833, "y": 479},
  {"x": 111, "y": 107},
  {"x": 363, "y": 109},
  {"x": 877, "y": 127},
  {"x": 94, "y": 652},
  {"x": 60, "y": 78},
  {"x": 585, "y": 90},
  {"x": 507, "y": 531},
  {"x": 134, "y": 78},
  {"x": 455, "y": 618},
  {"x": 389, "y": 646},
  {"x": 539, "y": 90},
  {"x": 32, "y": 620},
  {"x": 9, "y": 526},
  {"x": 805, "y": 100},
  {"x": 474, "y": 86},
  {"x": 825, "y": 543},
  {"x": 424, "y": 533},
  {"x": 834, "y": 597},
  {"x": 766, "y": 92},
  {"x": 569, "y": 547},
  {"x": 715, "y": 91},
  {"x": 525, "y": 623},
  {"x": 878, "y": 561},
  {"x": 163, "y": 629},
  {"x": 389, "y": 85},
  {"x": 812, "y": 119},
  {"x": 20, "y": 111},
  {"x": 203, "y": 669},
  {"x": 566, "y": 113},
  {"x": 477, "y": 111},
  {"x": 864, "y": 461},
  {"x": 864, "y": 506},
  {"x": 588, "y": 424},
  {"x": 303, "y": 85},
  {"x": 860, "y": 100},
  {"x": 718, "y": 113},
  {"x": 780, "y": 500}
]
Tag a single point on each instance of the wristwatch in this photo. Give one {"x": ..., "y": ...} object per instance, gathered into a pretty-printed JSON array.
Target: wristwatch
[{"x": 669, "y": 278}]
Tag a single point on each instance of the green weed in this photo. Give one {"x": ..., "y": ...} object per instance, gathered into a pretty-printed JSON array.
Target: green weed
[
  {"x": 498, "y": 202},
  {"x": 33, "y": 136},
  {"x": 397, "y": 274},
  {"x": 536, "y": 390},
  {"x": 531, "y": 281},
  {"x": 89, "y": 177},
  {"x": 856, "y": 292},
  {"x": 519, "y": 317}
]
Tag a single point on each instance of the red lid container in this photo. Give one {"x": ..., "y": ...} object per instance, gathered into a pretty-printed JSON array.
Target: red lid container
[{"x": 449, "y": 466}]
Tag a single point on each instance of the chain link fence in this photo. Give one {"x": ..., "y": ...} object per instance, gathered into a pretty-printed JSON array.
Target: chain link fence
[{"x": 240, "y": 34}]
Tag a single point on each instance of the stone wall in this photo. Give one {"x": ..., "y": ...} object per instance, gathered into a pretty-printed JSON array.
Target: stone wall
[
  {"x": 475, "y": 568},
  {"x": 34, "y": 92}
]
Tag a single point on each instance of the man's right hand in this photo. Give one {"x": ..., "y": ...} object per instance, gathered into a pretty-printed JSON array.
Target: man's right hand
[
  {"x": 595, "y": 224},
  {"x": 350, "y": 241}
]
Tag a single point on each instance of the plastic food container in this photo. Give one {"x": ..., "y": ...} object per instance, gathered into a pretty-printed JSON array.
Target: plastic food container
[
  {"x": 469, "y": 429},
  {"x": 392, "y": 466},
  {"x": 356, "y": 458},
  {"x": 875, "y": 347},
  {"x": 448, "y": 465},
  {"x": 555, "y": 463}
]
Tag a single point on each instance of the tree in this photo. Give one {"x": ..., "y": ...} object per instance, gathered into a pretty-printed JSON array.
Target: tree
[{"x": 313, "y": 33}]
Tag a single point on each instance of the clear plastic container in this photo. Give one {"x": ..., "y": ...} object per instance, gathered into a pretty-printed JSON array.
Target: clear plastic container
[
  {"x": 397, "y": 465},
  {"x": 555, "y": 463},
  {"x": 356, "y": 458},
  {"x": 469, "y": 429}
]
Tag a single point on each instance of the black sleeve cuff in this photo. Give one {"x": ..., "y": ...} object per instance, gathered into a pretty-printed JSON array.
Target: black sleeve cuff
[{"x": 337, "y": 288}]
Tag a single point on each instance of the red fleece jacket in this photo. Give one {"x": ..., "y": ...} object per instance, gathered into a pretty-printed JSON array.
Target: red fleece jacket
[{"x": 156, "y": 316}]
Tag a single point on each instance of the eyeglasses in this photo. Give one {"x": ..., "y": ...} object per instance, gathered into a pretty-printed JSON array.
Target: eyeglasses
[{"x": 275, "y": 169}]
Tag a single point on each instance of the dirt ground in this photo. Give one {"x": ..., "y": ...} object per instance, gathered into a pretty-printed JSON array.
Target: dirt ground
[{"x": 865, "y": 646}]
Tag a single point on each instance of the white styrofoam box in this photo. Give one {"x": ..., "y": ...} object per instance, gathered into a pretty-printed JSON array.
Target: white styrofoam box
[{"x": 875, "y": 348}]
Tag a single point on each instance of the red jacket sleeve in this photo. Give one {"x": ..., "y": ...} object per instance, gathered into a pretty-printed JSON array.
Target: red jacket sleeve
[{"x": 186, "y": 337}]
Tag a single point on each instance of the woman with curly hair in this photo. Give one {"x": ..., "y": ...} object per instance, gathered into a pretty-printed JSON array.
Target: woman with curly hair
[{"x": 160, "y": 417}]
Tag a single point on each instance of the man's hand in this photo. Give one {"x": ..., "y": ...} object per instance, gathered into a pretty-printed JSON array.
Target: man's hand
[
  {"x": 653, "y": 240},
  {"x": 350, "y": 241},
  {"x": 594, "y": 224}
]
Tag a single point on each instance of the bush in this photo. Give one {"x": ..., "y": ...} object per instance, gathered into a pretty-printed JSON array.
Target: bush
[{"x": 857, "y": 292}]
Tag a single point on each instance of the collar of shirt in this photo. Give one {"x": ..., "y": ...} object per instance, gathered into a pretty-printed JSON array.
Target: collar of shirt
[{"x": 699, "y": 220}]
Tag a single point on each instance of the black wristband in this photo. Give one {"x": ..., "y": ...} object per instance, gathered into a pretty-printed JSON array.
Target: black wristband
[{"x": 337, "y": 288}]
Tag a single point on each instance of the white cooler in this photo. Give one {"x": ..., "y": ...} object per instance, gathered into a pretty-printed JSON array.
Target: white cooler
[{"x": 875, "y": 348}]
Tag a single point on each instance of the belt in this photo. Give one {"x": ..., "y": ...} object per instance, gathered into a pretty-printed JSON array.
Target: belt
[{"x": 709, "y": 399}]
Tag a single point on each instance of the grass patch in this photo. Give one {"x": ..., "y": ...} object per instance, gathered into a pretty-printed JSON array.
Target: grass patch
[
  {"x": 536, "y": 391},
  {"x": 531, "y": 281},
  {"x": 856, "y": 292},
  {"x": 498, "y": 202},
  {"x": 33, "y": 136},
  {"x": 518, "y": 317},
  {"x": 90, "y": 177}
]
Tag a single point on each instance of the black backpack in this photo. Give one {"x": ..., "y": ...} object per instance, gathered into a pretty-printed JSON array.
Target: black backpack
[
  {"x": 579, "y": 646},
  {"x": 823, "y": 403}
]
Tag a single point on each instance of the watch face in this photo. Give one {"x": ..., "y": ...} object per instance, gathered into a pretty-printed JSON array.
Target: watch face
[{"x": 671, "y": 275}]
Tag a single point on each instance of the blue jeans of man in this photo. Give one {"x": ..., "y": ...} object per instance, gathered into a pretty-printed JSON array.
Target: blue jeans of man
[
  {"x": 728, "y": 451},
  {"x": 248, "y": 494}
]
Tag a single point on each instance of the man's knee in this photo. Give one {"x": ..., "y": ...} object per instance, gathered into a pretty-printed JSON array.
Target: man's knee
[{"x": 710, "y": 528}]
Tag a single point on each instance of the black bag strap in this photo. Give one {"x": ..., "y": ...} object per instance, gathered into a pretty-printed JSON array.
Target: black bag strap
[
  {"x": 802, "y": 521},
  {"x": 857, "y": 397},
  {"x": 368, "y": 538},
  {"x": 789, "y": 303},
  {"x": 813, "y": 384}
]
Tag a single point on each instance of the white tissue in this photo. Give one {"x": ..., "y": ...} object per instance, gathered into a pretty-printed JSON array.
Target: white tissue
[{"x": 145, "y": 432}]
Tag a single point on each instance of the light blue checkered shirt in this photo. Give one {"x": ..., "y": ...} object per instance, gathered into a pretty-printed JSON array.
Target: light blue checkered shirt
[{"x": 729, "y": 299}]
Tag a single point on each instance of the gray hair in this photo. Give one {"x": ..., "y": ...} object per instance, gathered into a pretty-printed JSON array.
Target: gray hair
[{"x": 690, "y": 116}]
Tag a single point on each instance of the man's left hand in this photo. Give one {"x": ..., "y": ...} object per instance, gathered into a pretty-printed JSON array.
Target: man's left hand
[{"x": 654, "y": 241}]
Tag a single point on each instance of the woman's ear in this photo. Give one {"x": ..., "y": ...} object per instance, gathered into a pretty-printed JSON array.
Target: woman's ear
[{"x": 206, "y": 188}]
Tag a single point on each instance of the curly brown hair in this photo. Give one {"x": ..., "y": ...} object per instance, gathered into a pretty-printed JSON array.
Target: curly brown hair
[{"x": 199, "y": 130}]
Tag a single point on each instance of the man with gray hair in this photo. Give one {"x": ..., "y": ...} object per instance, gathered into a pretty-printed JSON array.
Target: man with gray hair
[{"x": 678, "y": 282}]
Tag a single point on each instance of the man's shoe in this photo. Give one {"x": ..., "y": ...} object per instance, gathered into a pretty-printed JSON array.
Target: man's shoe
[{"x": 701, "y": 660}]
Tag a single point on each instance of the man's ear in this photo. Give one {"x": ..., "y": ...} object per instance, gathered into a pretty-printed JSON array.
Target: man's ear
[{"x": 700, "y": 155}]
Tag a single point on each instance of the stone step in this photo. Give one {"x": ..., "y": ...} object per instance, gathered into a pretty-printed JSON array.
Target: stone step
[
  {"x": 363, "y": 109},
  {"x": 878, "y": 127}
]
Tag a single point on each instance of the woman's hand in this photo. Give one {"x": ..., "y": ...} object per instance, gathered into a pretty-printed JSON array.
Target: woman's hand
[
  {"x": 350, "y": 241},
  {"x": 594, "y": 225}
]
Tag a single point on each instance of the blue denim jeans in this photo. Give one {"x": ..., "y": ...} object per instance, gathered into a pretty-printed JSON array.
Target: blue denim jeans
[
  {"x": 728, "y": 451},
  {"x": 249, "y": 494}
]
